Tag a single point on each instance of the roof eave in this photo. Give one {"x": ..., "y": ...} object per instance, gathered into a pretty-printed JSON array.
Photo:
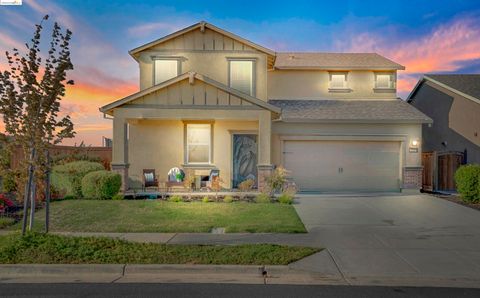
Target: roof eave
[
  {"x": 337, "y": 68},
  {"x": 141, "y": 48},
  {"x": 108, "y": 109},
  {"x": 359, "y": 121}
]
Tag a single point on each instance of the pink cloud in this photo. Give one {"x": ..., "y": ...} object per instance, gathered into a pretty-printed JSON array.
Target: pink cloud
[{"x": 442, "y": 50}]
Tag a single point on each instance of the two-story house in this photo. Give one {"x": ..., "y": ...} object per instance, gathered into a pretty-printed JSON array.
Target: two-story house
[{"x": 211, "y": 99}]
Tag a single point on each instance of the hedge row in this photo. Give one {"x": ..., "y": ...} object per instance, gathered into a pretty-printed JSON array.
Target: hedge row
[
  {"x": 85, "y": 179},
  {"x": 67, "y": 178},
  {"x": 467, "y": 178},
  {"x": 101, "y": 185}
]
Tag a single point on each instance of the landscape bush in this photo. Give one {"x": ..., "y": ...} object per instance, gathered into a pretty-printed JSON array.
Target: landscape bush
[
  {"x": 263, "y": 198},
  {"x": 67, "y": 178},
  {"x": 467, "y": 178},
  {"x": 205, "y": 199},
  {"x": 175, "y": 198},
  {"x": 8, "y": 181},
  {"x": 285, "y": 199},
  {"x": 118, "y": 197},
  {"x": 246, "y": 185},
  {"x": 101, "y": 185},
  {"x": 277, "y": 180},
  {"x": 6, "y": 221},
  {"x": 228, "y": 199}
]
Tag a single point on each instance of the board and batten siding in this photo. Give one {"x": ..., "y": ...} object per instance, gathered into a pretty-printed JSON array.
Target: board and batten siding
[{"x": 208, "y": 54}]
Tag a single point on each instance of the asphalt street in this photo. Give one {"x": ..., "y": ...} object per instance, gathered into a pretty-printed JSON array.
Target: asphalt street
[{"x": 225, "y": 290}]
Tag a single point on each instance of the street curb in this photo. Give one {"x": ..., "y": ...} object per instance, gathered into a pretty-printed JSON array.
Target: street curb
[
  {"x": 165, "y": 273},
  {"x": 239, "y": 274}
]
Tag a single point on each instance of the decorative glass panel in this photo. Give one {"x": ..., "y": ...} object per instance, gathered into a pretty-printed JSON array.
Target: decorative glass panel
[
  {"x": 383, "y": 81},
  {"x": 165, "y": 70},
  {"x": 337, "y": 81},
  {"x": 198, "y": 143},
  {"x": 244, "y": 158},
  {"x": 241, "y": 76}
]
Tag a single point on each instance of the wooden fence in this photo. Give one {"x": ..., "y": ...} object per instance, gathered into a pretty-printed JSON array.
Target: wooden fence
[
  {"x": 104, "y": 153},
  {"x": 439, "y": 170}
]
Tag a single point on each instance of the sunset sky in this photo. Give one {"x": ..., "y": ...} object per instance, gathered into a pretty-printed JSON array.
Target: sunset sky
[{"x": 425, "y": 36}]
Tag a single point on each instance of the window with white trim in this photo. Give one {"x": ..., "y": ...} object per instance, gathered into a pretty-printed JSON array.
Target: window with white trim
[
  {"x": 384, "y": 81},
  {"x": 241, "y": 76},
  {"x": 338, "y": 81},
  {"x": 165, "y": 69},
  {"x": 198, "y": 143}
]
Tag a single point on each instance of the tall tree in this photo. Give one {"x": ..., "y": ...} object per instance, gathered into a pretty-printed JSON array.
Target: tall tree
[{"x": 30, "y": 94}]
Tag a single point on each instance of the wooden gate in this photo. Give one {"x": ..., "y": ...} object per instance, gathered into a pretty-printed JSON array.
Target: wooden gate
[
  {"x": 439, "y": 170},
  {"x": 428, "y": 170}
]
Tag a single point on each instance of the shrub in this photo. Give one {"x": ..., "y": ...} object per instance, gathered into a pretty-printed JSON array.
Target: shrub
[
  {"x": 67, "y": 178},
  {"x": 285, "y": 199},
  {"x": 175, "y": 198},
  {"x": 468, "y": 185},
  {"x": 64, "y": 158},
  {"x": 228, "y": 199},
  {"x": 246, "y": 185},
  {"x": 277, "y": 179},
  {"x": 6, "y": 221},
  {"x": 101, "y": 185},
  {"x": 205, "y": 199},
  {"x": 263, "y": 198},
  {"x": 118, "y": 197},
  {"x": 8, "y": 182}
]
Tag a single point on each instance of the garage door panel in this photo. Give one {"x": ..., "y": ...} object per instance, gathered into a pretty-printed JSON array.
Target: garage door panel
[{"x": 343, "y": 165}]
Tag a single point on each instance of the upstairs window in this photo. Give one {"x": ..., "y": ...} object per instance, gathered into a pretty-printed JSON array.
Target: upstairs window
[
  {"x": 198, "y": 143},
  {"x": 384, "y": 81},
  {"x": 165, "y": 69},
  {"x": 241, "y": 76},
  {"x": 338, "y": 81}
]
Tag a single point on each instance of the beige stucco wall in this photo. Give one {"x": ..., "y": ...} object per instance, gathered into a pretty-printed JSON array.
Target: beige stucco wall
[
  {"x": 159, "y": 144},
  {"x": 314, "y": 84},
  {"x": 404, "y": 133}
]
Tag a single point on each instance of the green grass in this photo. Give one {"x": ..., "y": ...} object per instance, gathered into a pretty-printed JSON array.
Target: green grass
[
  {"x": 169, "y": 217},
  {"x": 37, "y": 248}
]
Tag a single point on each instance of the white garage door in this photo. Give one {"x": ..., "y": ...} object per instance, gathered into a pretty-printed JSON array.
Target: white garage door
[{"x": 343, "y": 166}]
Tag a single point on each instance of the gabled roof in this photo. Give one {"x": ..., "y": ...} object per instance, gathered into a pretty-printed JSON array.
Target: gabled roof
[
  {"x": 466, "y": 85},
  {"x": 350, "y": 111},
  {"x": 107, "y": 109},
  {"x": 200, "y": 26},
  {"x": 341, "y": 61}
]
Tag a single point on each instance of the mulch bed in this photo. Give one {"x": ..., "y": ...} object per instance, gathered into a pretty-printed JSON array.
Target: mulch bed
[{"x": 458, "y": 200}]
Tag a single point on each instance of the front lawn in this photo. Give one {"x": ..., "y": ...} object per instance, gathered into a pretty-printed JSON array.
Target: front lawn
[
  {"x": 51, "y": 249},
  {"x": 169, "y": 217}
]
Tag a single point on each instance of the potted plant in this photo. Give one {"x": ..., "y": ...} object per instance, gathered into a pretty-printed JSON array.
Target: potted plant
[{"x": 179, "y": 177}]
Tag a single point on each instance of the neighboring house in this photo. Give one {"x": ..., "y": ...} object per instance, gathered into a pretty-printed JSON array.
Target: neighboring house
[
  {"x": 453, "y": 102},
  {"x": 211, "y": 99}
]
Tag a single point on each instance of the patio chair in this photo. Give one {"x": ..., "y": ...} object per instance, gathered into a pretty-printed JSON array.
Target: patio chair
[
  {"x": 215, "y": 173},
  {"x": 149, "y": 179}
]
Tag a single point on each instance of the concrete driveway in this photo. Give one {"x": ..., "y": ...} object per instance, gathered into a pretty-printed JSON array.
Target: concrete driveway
[{"x": 394, "y": 237}]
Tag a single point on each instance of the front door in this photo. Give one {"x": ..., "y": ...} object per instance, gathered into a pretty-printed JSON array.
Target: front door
[{"x": 244, "y": 158}]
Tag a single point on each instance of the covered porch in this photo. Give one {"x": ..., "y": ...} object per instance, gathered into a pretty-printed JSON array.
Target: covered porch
[{"x": 195, "y": 124}]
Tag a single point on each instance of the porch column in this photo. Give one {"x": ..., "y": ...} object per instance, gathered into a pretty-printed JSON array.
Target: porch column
[
  {"x": 120, "y": 150},
  {"x": 264, "y": 167}
]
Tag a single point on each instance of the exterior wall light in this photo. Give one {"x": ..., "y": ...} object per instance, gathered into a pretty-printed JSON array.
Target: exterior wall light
[{"x": 415, "y": 142}]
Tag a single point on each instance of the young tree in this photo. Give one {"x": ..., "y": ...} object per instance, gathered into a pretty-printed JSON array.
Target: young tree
[{"x": 30, "y": 95}]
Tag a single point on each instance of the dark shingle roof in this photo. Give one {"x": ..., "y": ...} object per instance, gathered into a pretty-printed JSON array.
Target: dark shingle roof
[
  {"x": 349, "y": 111},
  {"x": 319, "y": 60},
  {"x": 465, "y": 83}
]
